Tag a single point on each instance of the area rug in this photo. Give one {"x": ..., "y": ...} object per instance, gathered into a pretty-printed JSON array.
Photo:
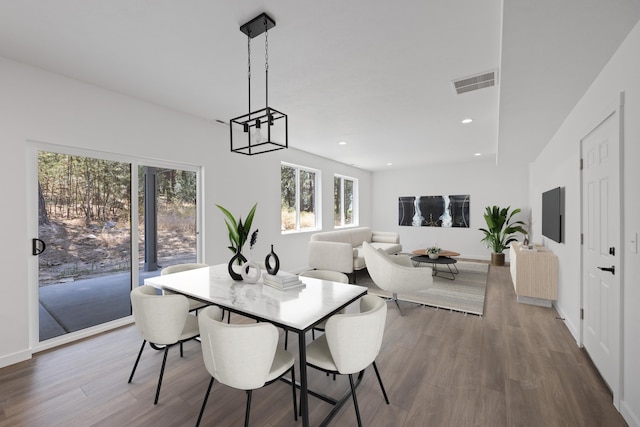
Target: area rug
[{"x": 465, "y": 293}]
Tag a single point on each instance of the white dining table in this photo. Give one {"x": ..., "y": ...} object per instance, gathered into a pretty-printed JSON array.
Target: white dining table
[{"x": 296, "y": 310}]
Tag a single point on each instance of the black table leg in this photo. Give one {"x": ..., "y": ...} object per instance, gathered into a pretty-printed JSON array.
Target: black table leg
[{"x": 304, "y": 397}]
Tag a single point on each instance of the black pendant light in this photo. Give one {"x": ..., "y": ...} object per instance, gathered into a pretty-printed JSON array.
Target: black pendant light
[{"x": 265, "y": 129}]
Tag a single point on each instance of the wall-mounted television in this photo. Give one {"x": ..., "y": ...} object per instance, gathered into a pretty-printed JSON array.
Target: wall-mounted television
[{"x": 553, "y": 214}]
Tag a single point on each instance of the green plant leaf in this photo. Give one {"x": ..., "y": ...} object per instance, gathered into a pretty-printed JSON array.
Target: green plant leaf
[
  {"x": 500, "y": 228},
  {"x": 238, "y": 231}
]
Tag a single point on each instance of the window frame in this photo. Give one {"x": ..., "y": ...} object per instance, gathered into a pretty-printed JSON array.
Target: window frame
[
  {"x": 355, "y": 214},
  {"x": 317, "y": 198}
]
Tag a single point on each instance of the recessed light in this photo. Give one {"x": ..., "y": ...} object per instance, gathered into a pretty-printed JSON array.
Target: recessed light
[
  {"x": 465, "y": 121},
  {"x": 478, "y": 154},
  {"x": 389, "y": 164},
  {"x": 342, "y": 143}
]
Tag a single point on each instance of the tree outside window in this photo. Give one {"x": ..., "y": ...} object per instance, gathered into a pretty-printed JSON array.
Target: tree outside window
[
  {"x": 299, "y": 200},
  {"x": 344, "y": 201}
]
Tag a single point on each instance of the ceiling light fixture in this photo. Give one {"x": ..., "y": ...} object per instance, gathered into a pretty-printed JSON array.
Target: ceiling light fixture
[
  {"x": 465, "y": 121},
  {"x": 342, "y": 143},
  {"x": 266, "y": 128}
]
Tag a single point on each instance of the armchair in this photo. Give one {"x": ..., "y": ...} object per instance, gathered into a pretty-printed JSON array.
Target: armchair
[{"x": 395, "y": 273}]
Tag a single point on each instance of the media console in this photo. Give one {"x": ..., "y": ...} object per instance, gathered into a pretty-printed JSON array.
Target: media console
[{"x": 534, "y": 273}]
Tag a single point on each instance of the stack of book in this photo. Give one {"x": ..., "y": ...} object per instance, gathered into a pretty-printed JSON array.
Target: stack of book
[{"x": 282, "y": 280}]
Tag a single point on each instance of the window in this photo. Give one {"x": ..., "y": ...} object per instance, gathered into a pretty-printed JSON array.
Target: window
[
  {"x": 345, "y": 201},
  {"x": 299, "y": 198}
]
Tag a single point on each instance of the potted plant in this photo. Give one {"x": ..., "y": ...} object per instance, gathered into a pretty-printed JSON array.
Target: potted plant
[
  {"x": 433, "y": 252},
  {"x": 500, "y": 231},
  {"x": 238, "y": 231}
]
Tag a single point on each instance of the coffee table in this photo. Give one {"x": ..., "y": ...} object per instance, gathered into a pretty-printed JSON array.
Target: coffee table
[{"x": 444, "y": 258}]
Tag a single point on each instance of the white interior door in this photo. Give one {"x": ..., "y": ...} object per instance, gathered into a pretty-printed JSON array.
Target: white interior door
[{"x": 601, "y": 249}]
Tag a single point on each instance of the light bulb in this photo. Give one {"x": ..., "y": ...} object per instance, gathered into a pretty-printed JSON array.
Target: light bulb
[{"x": 257, "y": 136}]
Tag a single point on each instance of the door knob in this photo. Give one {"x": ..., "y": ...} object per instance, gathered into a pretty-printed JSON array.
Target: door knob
[{"x": 611, "y": 269}]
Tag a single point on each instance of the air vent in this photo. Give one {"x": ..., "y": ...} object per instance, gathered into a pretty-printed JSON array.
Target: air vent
[{"x": 478, "y": 81}]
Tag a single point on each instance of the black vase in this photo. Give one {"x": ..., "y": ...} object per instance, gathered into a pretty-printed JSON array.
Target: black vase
[
  {"x": 234, "y": 259},
  {"x": 267, "y": 264}
]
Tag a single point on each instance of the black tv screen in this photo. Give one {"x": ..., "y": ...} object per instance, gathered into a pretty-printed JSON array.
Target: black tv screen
[{"x": 553, "y": 214}]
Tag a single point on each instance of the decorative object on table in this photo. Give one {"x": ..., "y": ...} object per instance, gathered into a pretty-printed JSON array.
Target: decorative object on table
[
  {"x": 238, "y": 258},
  {"x": 500, "y": 231},
  {"x": 250, "y": 266},
  {"x": 266, "y": 129},
  {"x": 238, "y": 235},
  {"x": 433, "y": 252},
  {"x": 434, "y": 211},
  {"x": 282, "y": 280},
  {"x": 267, "y": 262}
]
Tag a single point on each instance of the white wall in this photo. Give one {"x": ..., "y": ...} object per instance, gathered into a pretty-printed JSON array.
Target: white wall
[
  {"x": 486, "y": 183},
  {"x": 39, "y": 106},
  {"x": 557, "y": 166}
]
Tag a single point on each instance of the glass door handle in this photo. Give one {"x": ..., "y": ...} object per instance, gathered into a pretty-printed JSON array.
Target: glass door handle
[{"x": 37, "y": 246}]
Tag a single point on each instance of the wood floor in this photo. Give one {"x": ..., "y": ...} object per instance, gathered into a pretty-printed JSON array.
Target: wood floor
[{"x": 516, "y": 366}]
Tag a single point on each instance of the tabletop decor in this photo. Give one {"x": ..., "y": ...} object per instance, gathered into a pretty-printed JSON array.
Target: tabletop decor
[
  {"x": 433, "y": 252},
  {"x": 238, "y": 235},
  {"x": 272, "y": 270},
  {"x": 250, "y": 271}
]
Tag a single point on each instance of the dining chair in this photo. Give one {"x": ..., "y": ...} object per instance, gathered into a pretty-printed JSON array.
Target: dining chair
[
  {"x": 334, "y": 276},
  {"x": 243, "y": 356},
  {"x": 194, "y": 305},
  {"x": 395, "y": 273},
  {"x": 163, "y": 321},
  {"x": 351, "y": 343}
]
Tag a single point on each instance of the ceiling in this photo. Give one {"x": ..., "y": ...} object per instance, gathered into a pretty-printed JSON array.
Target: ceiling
[{"x": 372, "y": 73}]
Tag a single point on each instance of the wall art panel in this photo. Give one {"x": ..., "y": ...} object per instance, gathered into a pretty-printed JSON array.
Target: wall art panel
[{"x": 434, "y": 211}]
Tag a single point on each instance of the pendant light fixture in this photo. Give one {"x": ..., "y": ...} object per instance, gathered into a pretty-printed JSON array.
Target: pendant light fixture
[{"x": 265, "y": 129}]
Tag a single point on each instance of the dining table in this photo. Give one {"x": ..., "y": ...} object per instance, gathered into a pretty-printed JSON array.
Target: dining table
[{"x": 297, "y": 310}]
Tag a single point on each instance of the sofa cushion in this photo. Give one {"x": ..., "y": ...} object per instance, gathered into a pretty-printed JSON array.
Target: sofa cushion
[
  {"x": 385, "y": 237},
  {"x": 390, "y": 248},
  {"x": 359, "y": 235},
  {"x": 332, "y": 236}
]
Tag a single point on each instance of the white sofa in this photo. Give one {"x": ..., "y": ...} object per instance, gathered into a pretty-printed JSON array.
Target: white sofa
[{"x": 341, "y": 250}]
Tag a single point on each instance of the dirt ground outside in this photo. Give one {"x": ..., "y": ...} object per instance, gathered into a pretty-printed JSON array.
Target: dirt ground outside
[{"x": 76, "y": 251}]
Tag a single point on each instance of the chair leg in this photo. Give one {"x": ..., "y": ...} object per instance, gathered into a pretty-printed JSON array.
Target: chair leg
[
  {"x": 293, "y": 390},
  {"x": 248, "y": 410},
  {"x": 204, "y": 403},
  {"x": 135, "y": 365},
  {"x": 395, "y": 299},
  {"x": 181, "y": 352},
  {"x": 286, "y": 338},
  {"x": 355, "y": 400},
  {"x": 375, "y": 367},
  {"x": 164, "y": 362}
]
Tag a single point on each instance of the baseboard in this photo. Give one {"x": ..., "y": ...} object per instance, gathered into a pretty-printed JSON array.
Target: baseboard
[
  {"x": 629, "y": 416},
  {"x": 567, "y": 321},
  {"x": 14, "y": 358},
  {"x": 534, "y": 301}
]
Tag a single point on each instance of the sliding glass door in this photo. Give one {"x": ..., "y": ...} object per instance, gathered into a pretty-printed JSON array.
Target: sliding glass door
[{"x": 86, "y": 258}]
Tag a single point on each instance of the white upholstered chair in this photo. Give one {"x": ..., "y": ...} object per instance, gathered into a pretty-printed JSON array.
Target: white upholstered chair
[
  {"x": 395, "y": 273},
  {"x": 334, "y": 276},
  {"x": 163, "y": 321},
  {"x": 243, "y": 356},
  {"x": 351, "y": 343},
  {"x": 193, "y": 304}
]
